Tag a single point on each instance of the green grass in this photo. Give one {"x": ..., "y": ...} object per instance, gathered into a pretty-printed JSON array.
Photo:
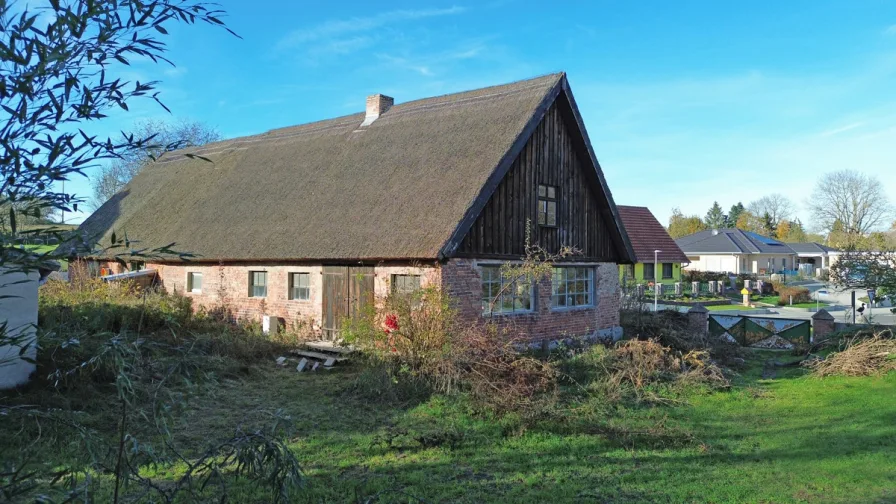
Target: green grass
[
  {"x": 790, "y": 439},
  {"x": 46, "y": 249},
  {"x": 730, "y": 307},
  {"x": 786, "y": 438}
]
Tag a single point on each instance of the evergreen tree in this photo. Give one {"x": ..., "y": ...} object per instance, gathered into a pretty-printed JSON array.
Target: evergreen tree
[
  {"x": 715, "y": 217},
  {"x": 734, "y": 213}
]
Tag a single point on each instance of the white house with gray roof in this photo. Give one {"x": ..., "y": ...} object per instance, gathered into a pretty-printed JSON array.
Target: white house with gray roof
[
  {"x": 736, "y": 251},
  {"x": 819, "y": 257}
]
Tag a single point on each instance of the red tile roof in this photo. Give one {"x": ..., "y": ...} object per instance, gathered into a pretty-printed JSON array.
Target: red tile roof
[{"x": 647, "y": 234}]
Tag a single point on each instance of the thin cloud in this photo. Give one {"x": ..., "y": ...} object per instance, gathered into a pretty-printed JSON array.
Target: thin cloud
[
  {"x": 890, "y": 30},
  {"x": 338, "y": 28},
  {"x": 841, "y": 129}
]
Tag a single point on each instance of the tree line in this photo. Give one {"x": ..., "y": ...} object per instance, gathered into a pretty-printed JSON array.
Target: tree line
[{"x": 848, "y": 209}]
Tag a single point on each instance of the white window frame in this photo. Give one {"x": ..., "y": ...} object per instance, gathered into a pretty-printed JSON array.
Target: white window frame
[
  {"x": 251, "y": 290},
  {"x": 291, "y": 286},
  {"x": 191, "y": 288}
]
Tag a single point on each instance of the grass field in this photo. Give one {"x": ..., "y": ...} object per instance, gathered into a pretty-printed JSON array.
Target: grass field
[
  {"x": 730, "y": 307},
  {"x": 46, "y": 249},
  {"x": 788, "y": 439},
  {"x": 775, "y": 436}
]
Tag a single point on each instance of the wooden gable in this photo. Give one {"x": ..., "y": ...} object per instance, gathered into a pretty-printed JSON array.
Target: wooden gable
[{"x": 555, "y": 155}]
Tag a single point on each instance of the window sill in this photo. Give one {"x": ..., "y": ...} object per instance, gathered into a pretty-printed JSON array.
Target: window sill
[
  {"x": 572, "y": 308},
  {"x": 509, "y": 314},
  {"x": 299, "y": 300},
  {"x": 194, "y": 291}
]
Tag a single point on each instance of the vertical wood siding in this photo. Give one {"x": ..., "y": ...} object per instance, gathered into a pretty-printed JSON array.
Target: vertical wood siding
[{"x": 550, "y": 157}]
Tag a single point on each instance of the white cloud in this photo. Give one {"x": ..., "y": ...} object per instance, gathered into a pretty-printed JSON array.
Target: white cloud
[
  {"x": 337, "y": 28},
  {"x": 890, "y": 30}
]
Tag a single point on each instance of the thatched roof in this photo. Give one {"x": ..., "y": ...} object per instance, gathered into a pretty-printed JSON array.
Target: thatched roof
[{"x": 397, "y": 188}]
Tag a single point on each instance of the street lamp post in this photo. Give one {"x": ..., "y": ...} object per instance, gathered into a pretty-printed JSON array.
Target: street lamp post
[{"x": 656, "y": 287}]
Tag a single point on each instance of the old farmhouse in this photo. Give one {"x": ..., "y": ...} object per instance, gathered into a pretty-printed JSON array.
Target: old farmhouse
[{"x": 307, "y": 223}]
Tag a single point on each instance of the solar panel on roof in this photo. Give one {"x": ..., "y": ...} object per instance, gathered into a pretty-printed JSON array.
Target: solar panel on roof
[{"x": 762, "y": 239}]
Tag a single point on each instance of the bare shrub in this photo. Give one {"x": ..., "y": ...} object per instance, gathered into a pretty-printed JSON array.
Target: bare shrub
[
  {"x": 634, "y": 369},
  {"x": 861, "y": 356},
  {"x": 670, "y": 328},
  {"x": 417, "y": 338}
]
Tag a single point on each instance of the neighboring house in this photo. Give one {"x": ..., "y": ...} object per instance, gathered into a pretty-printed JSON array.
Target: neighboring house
[
  {"x": 736, "y": 251},
  {"x": 313, "y": 222},
  {"x": 815, "y": 256},
  {"x": 648, "y": 235}
]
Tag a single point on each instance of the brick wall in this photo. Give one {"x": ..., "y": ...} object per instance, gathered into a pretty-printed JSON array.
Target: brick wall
[
  {"x": 228, "y": 285},
  {"x": 461, "y": 278}
]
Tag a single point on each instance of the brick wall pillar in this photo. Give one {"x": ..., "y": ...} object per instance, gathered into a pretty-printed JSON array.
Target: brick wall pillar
[
  {"x": 822, "y": 325},
  {"x": 698, "y": 319}
]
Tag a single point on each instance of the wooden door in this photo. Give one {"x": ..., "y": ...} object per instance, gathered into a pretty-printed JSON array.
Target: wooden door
[{"x": 347, "y": 291}]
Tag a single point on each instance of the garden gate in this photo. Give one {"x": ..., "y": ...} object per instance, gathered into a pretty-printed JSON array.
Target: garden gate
[{"x": 754, "y": 331}]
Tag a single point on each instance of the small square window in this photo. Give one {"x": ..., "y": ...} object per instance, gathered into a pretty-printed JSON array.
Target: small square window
[
  {"x": 300, "y": 286},
  {"x": 405, "y": 284},
  {"x": 258, "y": 284},
  {"x": 547, "y": 205},
  {"x": 194, "y": 282}
]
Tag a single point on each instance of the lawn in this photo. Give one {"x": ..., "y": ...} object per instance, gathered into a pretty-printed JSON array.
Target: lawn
[
  {"x": 46, "y": 249},
  {"x": 730, "y": 307},
  {"x": 790, "y": 439},
  {"x": 775, "y": 436}
]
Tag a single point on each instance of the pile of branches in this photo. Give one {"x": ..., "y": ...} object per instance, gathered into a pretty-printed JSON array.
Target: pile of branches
[
  {"x": 670, "y": 329},
  {"x": 861, "y": 356},
  {"x": 637, "y": 370}
]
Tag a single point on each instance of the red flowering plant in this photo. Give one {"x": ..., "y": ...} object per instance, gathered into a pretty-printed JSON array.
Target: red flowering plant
[{"x": 407, "y": 331}]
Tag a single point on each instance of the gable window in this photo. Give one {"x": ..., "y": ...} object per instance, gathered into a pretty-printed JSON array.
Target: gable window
[
  {"x": 504, "y": 295},
  {"x": 572, "y": 286},
  {"x": 649, "y": 272},
  {"x": 405, "y": 284},
  {"x": 299, "y": 286},
  {"x": 194, "y": 282},
  {"x": 547, "y": 205},
  {"x": 258, "y": 284},
  {"x": 667, "y": 270}
]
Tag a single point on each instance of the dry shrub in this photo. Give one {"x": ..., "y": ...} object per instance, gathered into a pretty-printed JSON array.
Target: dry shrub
[
  {"x": 670, "y": 328},
  {"x": 635, "y": 368},
  {"x": 862, "y": 356},
  {"x": 417, "y": 338},
  {"x": 487, "y": 362},
  {"x": 797, "y": 294}
]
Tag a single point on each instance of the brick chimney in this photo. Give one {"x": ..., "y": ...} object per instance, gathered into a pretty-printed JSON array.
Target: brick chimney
[{"x": 376, "y": 105}]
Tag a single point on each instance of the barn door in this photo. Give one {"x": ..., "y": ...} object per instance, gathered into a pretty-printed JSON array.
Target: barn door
[{"x": 347, "y": 290}]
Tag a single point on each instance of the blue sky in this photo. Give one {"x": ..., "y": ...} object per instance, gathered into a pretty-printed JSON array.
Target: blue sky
[{"x": 685, "y": 102}]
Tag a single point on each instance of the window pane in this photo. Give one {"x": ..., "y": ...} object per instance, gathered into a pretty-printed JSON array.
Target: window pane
[
  {"x": 542, "y": 191},
  {"x": 551, "y": 193},
  {"x": 552, "y": 213}
]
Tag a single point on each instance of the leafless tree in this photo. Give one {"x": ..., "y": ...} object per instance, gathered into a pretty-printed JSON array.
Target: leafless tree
[
  {"x": 851, "y": 201},
  {"x": 160, "y": 137},
  {"x": 777, "y": 206}
]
